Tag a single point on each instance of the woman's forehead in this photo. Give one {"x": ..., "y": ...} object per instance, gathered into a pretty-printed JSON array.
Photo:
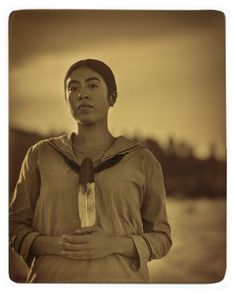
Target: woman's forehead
[{"x": 83, "y": 73}]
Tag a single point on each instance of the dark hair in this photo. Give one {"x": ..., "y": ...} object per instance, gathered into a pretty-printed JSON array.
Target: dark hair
[{"x": 98, "y": 66}]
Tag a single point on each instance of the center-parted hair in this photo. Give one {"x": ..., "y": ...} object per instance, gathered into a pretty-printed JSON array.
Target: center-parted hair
[{"x": 98, "y": 66}]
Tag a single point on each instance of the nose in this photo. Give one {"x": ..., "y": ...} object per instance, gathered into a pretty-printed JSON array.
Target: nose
[{"x": 83, "y": 95}]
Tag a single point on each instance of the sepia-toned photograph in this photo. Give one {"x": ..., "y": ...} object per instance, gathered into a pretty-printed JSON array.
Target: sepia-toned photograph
[{"x": 117, "y": 146}]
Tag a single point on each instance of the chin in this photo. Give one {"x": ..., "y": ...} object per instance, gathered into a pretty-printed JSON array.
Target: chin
[
  {"x": 85, "y": 122},
  {"x": 88, "y": 120}
]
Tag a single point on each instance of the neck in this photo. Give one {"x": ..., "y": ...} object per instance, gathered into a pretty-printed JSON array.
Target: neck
[{"x": 93, "y": 138}]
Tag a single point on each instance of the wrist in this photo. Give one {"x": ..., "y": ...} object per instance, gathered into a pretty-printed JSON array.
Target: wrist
[
  {"x": 123, "y": 245},
  {"x": 44, "y": 245},
  {"x": 117, "y": 244}
]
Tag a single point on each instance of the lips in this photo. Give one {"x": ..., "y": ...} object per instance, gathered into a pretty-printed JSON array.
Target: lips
[{"x": 85, "y": 106}]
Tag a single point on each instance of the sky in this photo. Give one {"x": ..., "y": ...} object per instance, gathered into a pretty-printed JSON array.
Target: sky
[{"x": 169, "y": 67}]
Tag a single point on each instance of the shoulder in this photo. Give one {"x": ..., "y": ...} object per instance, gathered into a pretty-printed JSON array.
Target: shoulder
[
  {"x": 151, "y": 162},
  {"x": 129, "y": 141},
  {"x": 44, "y": 145},
  {"x": 141, "y": 151},
  {"x": 135, "y": 147}
]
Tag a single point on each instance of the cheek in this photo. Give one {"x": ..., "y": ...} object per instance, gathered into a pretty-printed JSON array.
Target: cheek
[
  {"x": 72, "y": 100},
  {"x": 104, "y": 100},
  {"x": 103, "y": 106}
]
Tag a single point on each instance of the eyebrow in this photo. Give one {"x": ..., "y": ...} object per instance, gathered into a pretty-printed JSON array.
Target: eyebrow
[
  {"x": 93, "y": 78},
  {"x": 87, "y": 80}
]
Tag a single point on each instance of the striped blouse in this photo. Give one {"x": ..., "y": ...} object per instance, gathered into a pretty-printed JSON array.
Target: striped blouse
[{"x": 130, "y": 201}]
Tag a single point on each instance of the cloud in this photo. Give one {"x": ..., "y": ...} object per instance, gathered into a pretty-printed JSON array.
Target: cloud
[
  {"x": 35, "y": 32},
  {"x": 169, "y": 71}
]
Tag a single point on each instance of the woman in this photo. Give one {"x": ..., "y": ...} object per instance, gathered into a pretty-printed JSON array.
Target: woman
[{"x": 131, "y": 225}]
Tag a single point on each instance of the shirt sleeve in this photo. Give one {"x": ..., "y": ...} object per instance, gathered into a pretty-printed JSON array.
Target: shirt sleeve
[
  {"x": 21, "y": 231},
  {"x": 156, "y": 241}
]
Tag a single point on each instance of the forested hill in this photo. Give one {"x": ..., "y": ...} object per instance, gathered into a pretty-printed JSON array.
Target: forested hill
[{"x": 185, "y": 175}]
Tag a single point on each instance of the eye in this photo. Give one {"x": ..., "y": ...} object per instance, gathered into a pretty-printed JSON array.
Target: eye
[
  {"x": 72, "y": 88},
  {"x": 92, "y": 86}
]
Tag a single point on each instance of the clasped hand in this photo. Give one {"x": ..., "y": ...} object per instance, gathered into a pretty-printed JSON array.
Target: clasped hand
[{"x": 87, "y": 243}]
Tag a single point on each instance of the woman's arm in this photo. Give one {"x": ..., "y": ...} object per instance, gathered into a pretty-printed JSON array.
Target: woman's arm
[
  {"x": 21, "y": 232},
  {"x": 124, "y": 246},
  {"x": 157, "y": 231},
  {"x": 89, "y": 243},
  {"x": 44, "y": 245},
  {"x": 94, "y": 238}
]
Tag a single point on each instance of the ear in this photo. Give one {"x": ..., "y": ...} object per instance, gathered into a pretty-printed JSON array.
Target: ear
[{"x": 112, "y": 98}]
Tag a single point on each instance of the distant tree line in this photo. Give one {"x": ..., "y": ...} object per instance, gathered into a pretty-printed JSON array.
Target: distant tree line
[{"x": 185, "y": 174}]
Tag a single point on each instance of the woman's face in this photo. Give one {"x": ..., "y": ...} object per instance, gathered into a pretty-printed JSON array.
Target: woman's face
[{"x": 87, "y": 96}]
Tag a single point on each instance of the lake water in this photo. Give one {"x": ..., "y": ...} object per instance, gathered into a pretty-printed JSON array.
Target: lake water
[{"x": 198, "y": 254}]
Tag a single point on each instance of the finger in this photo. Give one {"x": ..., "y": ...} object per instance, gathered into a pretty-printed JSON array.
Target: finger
[
  {"x": 76, "y": 239},
  {"x": 77, "y": 258},
  {"x": 86, "y": 254},
  {"x": 74, "y": 247},
  {"x": 87, "y": 230}
]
